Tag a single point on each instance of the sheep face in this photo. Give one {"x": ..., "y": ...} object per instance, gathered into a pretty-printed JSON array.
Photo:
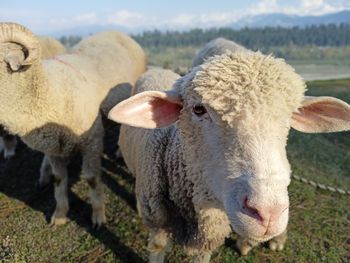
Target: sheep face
[
  {"x": 233, "y": 114},
  {"x": 234, "y": 123},
  {"x": 244, "y": 163}
]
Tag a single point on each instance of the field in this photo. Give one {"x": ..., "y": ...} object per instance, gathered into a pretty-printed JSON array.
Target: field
[{"x": 319, "y": 228}]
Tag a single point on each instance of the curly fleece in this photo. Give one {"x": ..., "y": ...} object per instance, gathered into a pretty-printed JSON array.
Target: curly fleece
[{"x": 171, "y": 191}]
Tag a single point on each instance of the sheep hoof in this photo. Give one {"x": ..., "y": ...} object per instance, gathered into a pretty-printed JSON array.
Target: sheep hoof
[
  {"x": 278, "y": 242},
  {"x": 243, "y": 246},
  {"x": 98, "y": 219},
  {"x": 57, "y": 221},
  {"x": 275, "y": 245}
]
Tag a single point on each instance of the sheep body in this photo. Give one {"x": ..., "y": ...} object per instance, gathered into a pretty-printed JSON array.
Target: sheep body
[
  {"x": 50, "y": 47},
  {"x": 216, "y": 47},
  {"x": 172, "y": 194},
  {"x": 54, "y": 105},
  {"x": 211, "y": 152},
  {"x": 166, "y": 198}
]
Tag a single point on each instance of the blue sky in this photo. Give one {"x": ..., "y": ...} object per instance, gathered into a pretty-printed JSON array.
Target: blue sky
[{"x": 50, "y": 16}]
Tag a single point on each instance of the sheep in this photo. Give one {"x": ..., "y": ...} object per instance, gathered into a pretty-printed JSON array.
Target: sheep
[
  {"x": 217, "y": 46},
  {"x": 54, "y": 104},
  {"x": 208, "y": 150},
  {"x": 50, "y": 47}
]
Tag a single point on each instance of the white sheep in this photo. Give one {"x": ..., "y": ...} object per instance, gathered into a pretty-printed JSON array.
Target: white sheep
[
  {"x": 216, "y": 47},
  {"x": 50, "y": 47},
  {"x": 209, "y": 153},
  {"x": 54, "y": 104}
]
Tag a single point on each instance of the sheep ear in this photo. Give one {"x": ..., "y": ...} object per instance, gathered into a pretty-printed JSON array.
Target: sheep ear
[
  {"x": 15, "y": 60},
  {"x": 322, "y": 114},
  {"x": 148, "y": 109}
]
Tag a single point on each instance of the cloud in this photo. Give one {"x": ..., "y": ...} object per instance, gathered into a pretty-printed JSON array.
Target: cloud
[
  {"x": 135, "y": 20},
  {"x": 263, "y": 7},
  {"x": 318, "y": 7},
  {"x": 87, "y": 18},
  {"x": 218, "y": 18},
  {"x": 182, "y": 20},
  {"x": 130, "y": 19}
]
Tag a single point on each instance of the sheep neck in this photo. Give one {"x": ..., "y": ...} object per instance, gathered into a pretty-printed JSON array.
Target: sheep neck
[{"x": 24, "y": 96}]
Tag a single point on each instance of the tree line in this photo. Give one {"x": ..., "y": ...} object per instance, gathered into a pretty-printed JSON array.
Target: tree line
[{"x": 253, "y": 38}]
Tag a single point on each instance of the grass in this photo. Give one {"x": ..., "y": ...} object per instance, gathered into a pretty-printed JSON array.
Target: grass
[{"x": 319, "y": 228}]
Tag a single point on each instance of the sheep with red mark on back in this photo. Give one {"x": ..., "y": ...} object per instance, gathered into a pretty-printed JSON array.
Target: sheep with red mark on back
[{"x": 55, "y": 104}]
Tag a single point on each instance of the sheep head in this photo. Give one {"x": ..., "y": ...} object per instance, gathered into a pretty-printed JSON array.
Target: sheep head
[
  {"x": 234, "y": 113},
  {"x": 19, "y": 46}
]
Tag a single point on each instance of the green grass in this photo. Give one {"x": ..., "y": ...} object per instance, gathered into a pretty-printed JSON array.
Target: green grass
[
  {"x": 319, "y": 227},
  {"x": 171, "y": 57}
]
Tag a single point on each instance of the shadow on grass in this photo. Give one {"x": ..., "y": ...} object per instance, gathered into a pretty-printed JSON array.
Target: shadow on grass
[{"x": 19, "y": 175}]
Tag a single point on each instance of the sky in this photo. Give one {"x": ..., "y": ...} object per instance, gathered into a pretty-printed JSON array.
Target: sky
[{"x": 44, "y": 16}]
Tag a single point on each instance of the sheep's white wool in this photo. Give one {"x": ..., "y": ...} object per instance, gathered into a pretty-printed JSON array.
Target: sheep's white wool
[
  {"x": 222, "y": 161},
  {"x": 181, "y": 170},
  {"x": 54, "y": 104},
  {"x": 239, "y": 85}
]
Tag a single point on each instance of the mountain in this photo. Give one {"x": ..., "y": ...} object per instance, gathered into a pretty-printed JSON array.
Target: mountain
[
  {"x": 271, "y": 20},
  {"x": 284, "y": 20}
]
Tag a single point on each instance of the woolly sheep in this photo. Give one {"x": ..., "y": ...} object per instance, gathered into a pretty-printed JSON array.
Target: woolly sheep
[
  {"x": 210, "y": 152},
  {"x": 218, "y": 46},
  {"x": 50, "y": 47},
  {"x": 54, "y": 104}
]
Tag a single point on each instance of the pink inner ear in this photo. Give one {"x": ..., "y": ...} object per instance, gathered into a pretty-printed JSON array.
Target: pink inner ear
[
  {"x": 164, "y": 112},
  {"x": 327, "y": 110},
  {"x": 148, "y": 109},
  {"x": 321, "y": 116}
]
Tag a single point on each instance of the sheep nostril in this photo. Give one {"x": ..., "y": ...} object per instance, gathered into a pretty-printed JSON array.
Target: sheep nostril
[{"x": 251, "y": 211}]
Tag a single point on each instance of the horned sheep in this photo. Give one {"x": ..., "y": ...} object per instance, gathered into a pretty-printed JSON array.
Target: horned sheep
[
  {"x": 54, "y": 104},
  {"x": 208, "y": 150},
  {"x": 50, "y": 47}
]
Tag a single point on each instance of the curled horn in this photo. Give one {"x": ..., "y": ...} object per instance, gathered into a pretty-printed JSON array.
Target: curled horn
[{"x": 15, "y": 33}]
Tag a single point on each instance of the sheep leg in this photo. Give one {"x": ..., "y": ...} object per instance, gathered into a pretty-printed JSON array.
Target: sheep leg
[
  {"x": 202, "y": 258},
  {"x": 277, "y": 243},
  {"x": 10, "y": 143},
  {"x": 91, "y": 171},
  {"x": 244, "y": 245},
  {"x": 59, "y": 169},
  {"x": 118, "y": 154},
  {"x": 159, "y": 243},
  {"x": 2, "y": 146},
  {"x": 45, "y": 172}
]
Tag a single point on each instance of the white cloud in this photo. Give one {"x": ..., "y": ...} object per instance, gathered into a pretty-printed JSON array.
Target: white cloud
[
  {"x": 318, "y": 7},
  {"x": 218, "y": 18},
  {"x": 135, "y": 20},
  {"x": 263, "y": 7},
  {"x": 182, "y": 20},
  {"x": 87, "y": 18},
  {"x": 61, "y": 23},
  {"x": 130, "y": 19}
]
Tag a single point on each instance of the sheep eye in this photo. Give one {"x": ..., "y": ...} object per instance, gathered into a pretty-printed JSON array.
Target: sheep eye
[{"x": 199, "y": 110}]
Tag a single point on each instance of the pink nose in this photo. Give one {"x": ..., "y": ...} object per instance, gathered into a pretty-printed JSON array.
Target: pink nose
[{"x": 265, "y": 215}]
